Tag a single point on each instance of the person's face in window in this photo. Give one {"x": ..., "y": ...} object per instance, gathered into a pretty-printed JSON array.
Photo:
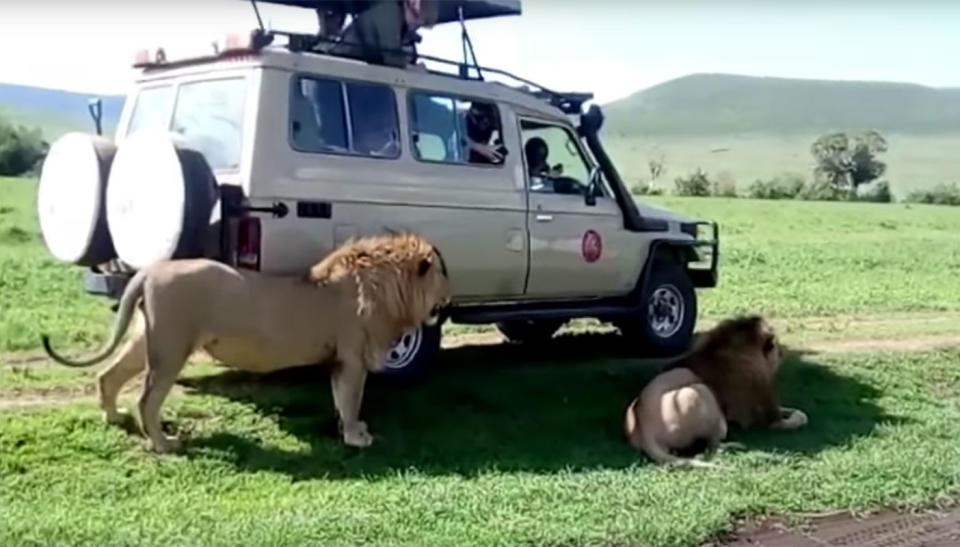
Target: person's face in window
[{"x": 480, "y": 118}]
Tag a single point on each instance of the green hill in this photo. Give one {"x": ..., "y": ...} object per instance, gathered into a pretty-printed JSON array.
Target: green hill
[{"x": 708, "y": 104}]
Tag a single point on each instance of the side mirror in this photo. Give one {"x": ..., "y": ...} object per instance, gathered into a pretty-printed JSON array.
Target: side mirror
[
  {"x": 593, "y": 185},
  {"x": 95, "y": 106}
]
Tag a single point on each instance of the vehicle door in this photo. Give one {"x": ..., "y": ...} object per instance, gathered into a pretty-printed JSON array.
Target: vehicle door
[{"x": 575, "y": 243}]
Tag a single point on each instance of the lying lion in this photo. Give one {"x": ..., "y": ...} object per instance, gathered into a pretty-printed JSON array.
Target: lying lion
[
  {"x": 729, "y": 373},
  {"x": 350, "y": 308}
]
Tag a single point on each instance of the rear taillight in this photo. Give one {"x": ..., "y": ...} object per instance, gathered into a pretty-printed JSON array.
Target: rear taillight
[{"x": 248, "y": 243}]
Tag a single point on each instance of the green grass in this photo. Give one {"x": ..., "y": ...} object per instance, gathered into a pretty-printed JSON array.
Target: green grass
[{"x": 500, "y": 447}]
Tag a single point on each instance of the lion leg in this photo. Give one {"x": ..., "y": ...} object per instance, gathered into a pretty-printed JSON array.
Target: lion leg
[
  {"x": 347, "y": 381},
  {"x": 130, "y": 361},
  {"x": 796, "y": 419},
  {"x": 163, "y": 367}
]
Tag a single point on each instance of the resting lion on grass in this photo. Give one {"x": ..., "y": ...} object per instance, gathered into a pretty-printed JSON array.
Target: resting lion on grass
[
  {"x": 738, "y": 360},
  {"x": 349, "y": 308},
  {"x": 726, "y": 378}
]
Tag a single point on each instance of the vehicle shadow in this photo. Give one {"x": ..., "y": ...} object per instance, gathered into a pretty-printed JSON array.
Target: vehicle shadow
[{"x": 508, "y": 408}]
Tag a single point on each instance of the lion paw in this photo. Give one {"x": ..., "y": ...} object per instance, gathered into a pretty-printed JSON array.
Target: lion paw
[
  {"x": 166, "y": 444},
  {"x": 792, "y": 418},
  {"x": 357, "y": 436}
]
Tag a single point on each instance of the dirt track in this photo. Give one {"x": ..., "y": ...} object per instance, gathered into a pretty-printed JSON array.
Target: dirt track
[{"x": 885, "y": 529}]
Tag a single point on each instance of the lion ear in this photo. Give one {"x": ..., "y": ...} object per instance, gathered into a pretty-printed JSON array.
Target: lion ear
[
  {"x": 769, "y": 344},
  {"x": 425, "y": 266}
]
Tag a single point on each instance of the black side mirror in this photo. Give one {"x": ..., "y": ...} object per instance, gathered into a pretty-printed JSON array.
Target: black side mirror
[
  {"x": 593, "y": 187},
  {"x": 95, "y": 106}
]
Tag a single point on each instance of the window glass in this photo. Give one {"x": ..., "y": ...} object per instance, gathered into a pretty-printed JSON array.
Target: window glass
[
  {"x": 317, "y": 121},
  {"x": 456, "y": 130},
  {"x": 209, "y": 115},
  {"x": 152, "y": 109},
  {"x": 373, "y": 117},
  {"x": 343, "y": 117},
  {"x": 553, "y": 159}
]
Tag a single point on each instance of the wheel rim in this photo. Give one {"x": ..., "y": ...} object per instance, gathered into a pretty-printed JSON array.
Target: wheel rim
[
  {"x": 665, "y": 311},
  {"x": 404, "y": 349}
]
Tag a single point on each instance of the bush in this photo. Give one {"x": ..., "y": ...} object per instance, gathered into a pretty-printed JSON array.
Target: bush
[
  {"x": 645, "y": 189},
  {"x": 781, "y": 187},
  {"x": 21, "y": 149},
  {"x": 821, "y": 190},
  {"x": 695, "y": 184},
  {"x": 941, "y": 194},
  {"x": 724, "y": 186},
  {"x": 876, "y": 192}
]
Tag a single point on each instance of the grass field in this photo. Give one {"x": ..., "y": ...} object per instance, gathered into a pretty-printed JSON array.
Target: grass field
[
  {"x": 913, "y": 162},
  {"x": 506, "y": 445}
]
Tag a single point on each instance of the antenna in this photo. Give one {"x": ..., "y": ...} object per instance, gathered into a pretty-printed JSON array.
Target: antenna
[
  {"x": 256, "y": 10},
  {"x": 467, "y": 45}
]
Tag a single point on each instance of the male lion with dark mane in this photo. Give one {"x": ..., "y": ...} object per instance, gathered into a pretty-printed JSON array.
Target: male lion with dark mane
[
  {"x": 349, "y": 308},
  {"x": 727, "y": 377}
]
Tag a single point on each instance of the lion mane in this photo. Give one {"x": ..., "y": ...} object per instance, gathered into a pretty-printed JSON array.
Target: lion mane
[
  {"x": 738, "y": 360},
  {"x": 354, "y": 304}
]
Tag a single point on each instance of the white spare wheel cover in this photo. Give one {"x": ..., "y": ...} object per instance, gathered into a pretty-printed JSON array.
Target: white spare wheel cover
[
  {"x": 159, "y": 198},
  {"x": 70, "y": 199}
]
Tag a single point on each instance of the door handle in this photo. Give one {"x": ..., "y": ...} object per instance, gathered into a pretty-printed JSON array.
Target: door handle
[{"x": 544, "y": 218}]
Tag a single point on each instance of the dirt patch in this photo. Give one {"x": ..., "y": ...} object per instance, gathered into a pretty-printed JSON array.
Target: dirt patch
[
  {"x": 886, "y": 528},
  {"x": 909, "y": 343}
]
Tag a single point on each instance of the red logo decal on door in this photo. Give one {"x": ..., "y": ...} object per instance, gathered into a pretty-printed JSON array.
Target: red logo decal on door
[{"x": 591, "y": 246}]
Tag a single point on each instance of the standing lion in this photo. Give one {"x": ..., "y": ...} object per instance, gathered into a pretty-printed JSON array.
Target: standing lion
[{"x": 350, "y": 309}]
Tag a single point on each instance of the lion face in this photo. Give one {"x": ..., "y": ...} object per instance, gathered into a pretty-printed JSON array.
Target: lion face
[
  {"x": 435, "y": 293},
  {"x": 770, "y": 348}
]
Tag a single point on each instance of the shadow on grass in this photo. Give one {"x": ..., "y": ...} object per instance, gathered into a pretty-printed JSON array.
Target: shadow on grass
[{"x": 505, "y": 407}]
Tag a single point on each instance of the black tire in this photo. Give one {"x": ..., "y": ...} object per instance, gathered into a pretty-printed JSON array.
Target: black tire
[
  {"x": 663, "y": 323},
  {"x": 413, "y": 365},
  {"x": 529, "y": 332}
]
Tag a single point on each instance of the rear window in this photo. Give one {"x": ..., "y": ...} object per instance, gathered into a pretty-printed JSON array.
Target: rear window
[
  {"x": 208, "y": 114},
  {"x": 152, "y": 110}
]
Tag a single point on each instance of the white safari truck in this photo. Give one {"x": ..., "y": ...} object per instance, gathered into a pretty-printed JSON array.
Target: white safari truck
[{"x": 267, "y": 155}]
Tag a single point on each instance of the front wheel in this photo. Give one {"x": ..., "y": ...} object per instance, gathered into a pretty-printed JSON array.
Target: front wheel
[
  {"x": 412, "y": 353},
  {"x": 665, "y": 319}
]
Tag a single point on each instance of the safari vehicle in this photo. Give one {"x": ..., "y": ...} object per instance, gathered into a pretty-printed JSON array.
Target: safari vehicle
[{"x": 267, "y": 155}]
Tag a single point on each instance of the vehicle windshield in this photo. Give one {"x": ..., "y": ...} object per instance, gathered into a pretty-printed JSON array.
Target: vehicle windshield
[{"x": 209, "y": 114}]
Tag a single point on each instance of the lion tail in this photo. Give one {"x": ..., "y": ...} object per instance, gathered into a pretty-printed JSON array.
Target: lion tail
[{"x": 131, "y": 295}]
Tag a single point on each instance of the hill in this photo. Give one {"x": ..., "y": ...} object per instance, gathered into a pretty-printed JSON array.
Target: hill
[
  {"x": 55, "y": 111},
  {"x": 705, "y": 104}
]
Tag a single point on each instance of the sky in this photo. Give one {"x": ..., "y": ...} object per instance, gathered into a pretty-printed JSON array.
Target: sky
[{"x": 609, "y": 47}]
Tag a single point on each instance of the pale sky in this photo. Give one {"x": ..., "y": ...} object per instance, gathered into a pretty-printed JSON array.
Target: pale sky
[{"x": 609, "y": 47}]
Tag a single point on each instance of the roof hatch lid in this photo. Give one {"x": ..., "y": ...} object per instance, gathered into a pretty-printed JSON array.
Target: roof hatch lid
[{"x": 448, "y": 10}]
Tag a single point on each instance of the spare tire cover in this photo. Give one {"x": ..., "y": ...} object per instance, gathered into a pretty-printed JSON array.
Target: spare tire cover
[
  {"x": 70, "y": 199},
  {"x": 160, "y": 197}
]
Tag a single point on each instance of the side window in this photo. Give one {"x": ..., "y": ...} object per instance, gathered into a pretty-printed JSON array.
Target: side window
[
  {"x": 330, "y": 116},
  {"x": 452, "y": 130},
  {"x": 553, "y": 159},
  {"x": 152, "y": 109}
]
